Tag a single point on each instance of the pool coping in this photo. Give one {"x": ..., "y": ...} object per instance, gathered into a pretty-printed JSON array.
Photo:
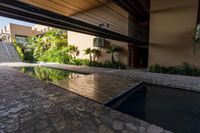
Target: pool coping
[{"x": 136, "y": 84}]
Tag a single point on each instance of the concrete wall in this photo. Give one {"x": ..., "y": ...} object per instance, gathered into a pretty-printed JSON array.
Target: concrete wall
[
  {"x": 172, "y": 28},
  {"x": 118, "y": 22},
  {"x": 19, "y": 30}
]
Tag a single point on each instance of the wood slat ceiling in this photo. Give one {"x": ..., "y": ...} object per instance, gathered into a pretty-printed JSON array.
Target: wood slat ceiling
[
  {"x": 65, "y": 7},
  {"x": 138, "y": 8}
]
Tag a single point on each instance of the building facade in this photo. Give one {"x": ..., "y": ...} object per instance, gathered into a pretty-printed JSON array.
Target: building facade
[
  {"x": 115, "y": 20},
  {"x": 172, "y": 32},
  {"x": 17, "y": 32},
  {"x": 167, "y": 28}
]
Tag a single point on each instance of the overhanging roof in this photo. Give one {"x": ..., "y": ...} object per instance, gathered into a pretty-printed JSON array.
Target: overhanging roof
[
  {"x": 23, "y": 11},
  {"x": 66, "y": 7},
  {"x": 138, "y": 8}
]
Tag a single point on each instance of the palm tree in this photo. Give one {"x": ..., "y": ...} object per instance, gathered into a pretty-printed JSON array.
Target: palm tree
[
  {"x": 113, "y": 49},
  {"x": 96, "y": 53},
  {"x": 88, "y": 51},
  {"x": 72, "y": 50}
]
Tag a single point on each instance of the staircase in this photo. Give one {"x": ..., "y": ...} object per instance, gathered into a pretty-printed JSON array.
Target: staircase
[{"x": 8, "y": 53}]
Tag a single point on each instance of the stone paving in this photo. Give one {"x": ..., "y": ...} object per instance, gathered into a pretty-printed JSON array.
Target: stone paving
[
  {"x": 170, "y": 80},
  {"x": 32, "y": 106},
  {"x": 98, "y": 87}
]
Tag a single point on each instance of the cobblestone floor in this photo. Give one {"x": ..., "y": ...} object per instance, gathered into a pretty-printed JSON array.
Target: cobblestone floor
[{"x": 31, "y": 106}]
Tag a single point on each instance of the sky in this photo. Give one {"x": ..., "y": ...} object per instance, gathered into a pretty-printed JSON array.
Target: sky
[{"x": 4, "y": 21}]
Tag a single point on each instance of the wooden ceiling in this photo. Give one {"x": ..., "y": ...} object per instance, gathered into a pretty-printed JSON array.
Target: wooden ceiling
[
  {"x": 66, "y": 7},
  {"x": 138, "y": 8}
]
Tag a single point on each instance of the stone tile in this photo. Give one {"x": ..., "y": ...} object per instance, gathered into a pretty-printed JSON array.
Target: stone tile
[
  {"x": 131, "y": 126},
  {"x": 118, "y": 125},
  {"x": 170, "y": 80},
  {"x": 12, "y": 127},
  {"x": 104, "y": 129},
  {"x": 98, "y": 87},
  {"x": 154, "y": 129},
  {"x": 69, "y": 113}
]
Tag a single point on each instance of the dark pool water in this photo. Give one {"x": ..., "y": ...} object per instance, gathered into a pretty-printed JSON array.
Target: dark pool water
[
  {"x": 49, "y": 74},
  {"x": 173, "y": 109}
]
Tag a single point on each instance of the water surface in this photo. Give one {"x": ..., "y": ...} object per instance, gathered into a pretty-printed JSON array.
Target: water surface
[{"x": 173, "y": 109}]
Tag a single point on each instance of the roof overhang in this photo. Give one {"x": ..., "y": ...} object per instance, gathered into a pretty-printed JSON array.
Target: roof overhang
[
  {"x": 66, "y": 7},
  {"x": 138, "y": 8},
  {"x": 26, "y": 12}
]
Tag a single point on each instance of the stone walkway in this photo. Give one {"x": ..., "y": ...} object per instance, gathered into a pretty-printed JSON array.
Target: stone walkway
[
  {"x": 170, "y": 80},
  {"x": 31, "y": 106},
  {"x": 98, "y": 87}
]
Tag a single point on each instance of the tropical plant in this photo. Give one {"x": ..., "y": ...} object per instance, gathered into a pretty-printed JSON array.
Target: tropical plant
[
  {"x": 113, "y": 49},
  {"x": 49, "y": 46},
  {"x": 96, "y": 53},
  {"x": 92, "y": 53},
  {"x": 184, "y": 69},
  {"x": 72, "y": 50},
  {"x": 88, "y": 51},
  {"x": 18, "y": 49}
]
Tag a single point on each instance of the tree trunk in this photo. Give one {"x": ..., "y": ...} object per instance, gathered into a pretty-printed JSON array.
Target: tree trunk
[
  {"x": 90, "y": 57},
  {"x": 112, "y": 58},
  {"x": 94, "y": 57}
]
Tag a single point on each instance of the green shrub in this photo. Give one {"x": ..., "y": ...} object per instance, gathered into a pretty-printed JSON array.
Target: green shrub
[
  {"x": 28, "y": 56},
  {"x": 76, "y": 61},
  {"x": 19, "y": 50},
  {"x": 105, "y": 64},
  {"x": 184, "y": 69},
  {"x": 54, "y": 55},
  {"x": 115, "y": 65}
]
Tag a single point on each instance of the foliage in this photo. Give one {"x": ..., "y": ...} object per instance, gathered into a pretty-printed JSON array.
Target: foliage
[
  {"x": 72, "y": 50},
  {"x": 88, "y": 51},
  {"x": 54, "y": 39},
  {"x": 54, "y": 55},
  {"x": 52, "y": 46},
  {"x": 113, "y": 49},
  {"x": 28, "y": 56},
  {"x": 106, "y": 64},
  {"x": 94, "y": 52},
  {"x": 184, "y": 69},
  {"x": 19, "y": 50},
  {"x": 115, "y": 65},
  {"x": 76, "y": 62}
]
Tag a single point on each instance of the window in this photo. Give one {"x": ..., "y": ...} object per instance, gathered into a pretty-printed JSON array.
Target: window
[{"x": 21, "y": 39}]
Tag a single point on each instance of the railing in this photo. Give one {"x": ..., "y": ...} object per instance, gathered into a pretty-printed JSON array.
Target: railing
[{"x": 7, "y": 51}]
